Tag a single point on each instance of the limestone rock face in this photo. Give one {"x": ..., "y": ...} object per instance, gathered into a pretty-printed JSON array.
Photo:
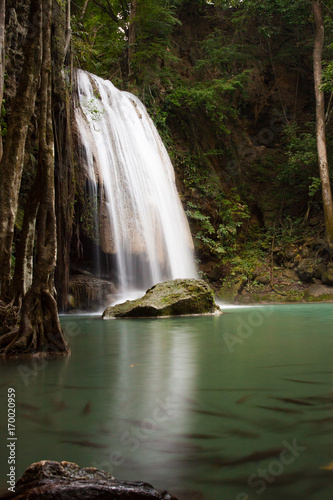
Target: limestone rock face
[
  {"x": 66, "y": 480},
  {"x": 88, "y": 293},
  {"x": 170, "y": 298}
]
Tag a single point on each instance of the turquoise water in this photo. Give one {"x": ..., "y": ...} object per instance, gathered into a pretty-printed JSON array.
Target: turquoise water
[{"x": 232, "y": 407}]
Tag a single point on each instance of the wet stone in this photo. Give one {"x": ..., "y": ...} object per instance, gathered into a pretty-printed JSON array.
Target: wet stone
[{"x": 65, "y": 480}]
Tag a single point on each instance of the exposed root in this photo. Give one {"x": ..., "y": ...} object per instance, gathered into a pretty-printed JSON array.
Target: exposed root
[
  {"x": 39, "y": 331},
  {"x": 9, "y": 318}
]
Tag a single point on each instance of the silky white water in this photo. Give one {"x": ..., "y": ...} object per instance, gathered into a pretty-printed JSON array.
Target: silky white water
[{"x": 141, "y": 219}]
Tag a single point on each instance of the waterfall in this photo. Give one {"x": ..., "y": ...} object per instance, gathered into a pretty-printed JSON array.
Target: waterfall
[{"x": 141, "y": 220}]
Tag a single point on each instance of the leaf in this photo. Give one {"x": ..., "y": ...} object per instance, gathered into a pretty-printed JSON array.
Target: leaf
[{"x": 327, "y": 467}]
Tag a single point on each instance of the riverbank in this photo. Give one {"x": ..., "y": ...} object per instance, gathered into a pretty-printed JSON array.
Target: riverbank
[{"x": 284, "y": 287}]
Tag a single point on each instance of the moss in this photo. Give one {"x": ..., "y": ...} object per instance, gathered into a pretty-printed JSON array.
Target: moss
[{"x": 171, "y": 298}]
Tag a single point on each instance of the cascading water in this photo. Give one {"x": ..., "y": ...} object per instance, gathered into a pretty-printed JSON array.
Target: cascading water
[{"x": 142, "y": 222}]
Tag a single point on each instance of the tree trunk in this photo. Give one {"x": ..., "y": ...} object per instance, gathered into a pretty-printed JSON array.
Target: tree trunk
[
  {"x": 23, "y": 273},
  {"x": 131, "y": 36},
  {"x": 68, "y": 28},
  {"x": 320, "y": 122},
  {"x": 11, "y": 164},
  {"x": 2, "y": 60},
  {"x": 64, "y": 160},
  {"x": 40, "y": 330}
]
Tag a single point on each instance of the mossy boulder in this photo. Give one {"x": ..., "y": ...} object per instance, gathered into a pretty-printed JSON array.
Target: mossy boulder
[
  {"x": 327, "y": 277},
  {"x": 318, "y": 293},
  {"x": 305, "y": 270},
  {"x": 319, "y": 269},
  {"x": 170, "y": 298},
  {"x": 231, "y": 288}
]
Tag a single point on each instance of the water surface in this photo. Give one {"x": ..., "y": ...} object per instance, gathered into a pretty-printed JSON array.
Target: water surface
[{"x": 232, "y": 407}]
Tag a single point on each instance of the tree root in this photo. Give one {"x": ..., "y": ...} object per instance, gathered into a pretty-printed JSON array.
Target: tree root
[{"x": 39, "y": 332}]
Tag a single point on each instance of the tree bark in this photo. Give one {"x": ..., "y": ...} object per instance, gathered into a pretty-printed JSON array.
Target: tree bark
[
  {"x": 2, "y": 60},
  {"x": 64, "y": 160},
  {"x": 320, "y": 122},
  {"x": 23, "y": 273},
  {"x": 40, "y": 330},
  {"x": 68, "y": 28},
  {"x": 11, "y": 164}
]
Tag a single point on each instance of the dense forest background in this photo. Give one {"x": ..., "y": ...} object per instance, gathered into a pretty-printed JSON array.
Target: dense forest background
[{"x": 230, "y": 86}]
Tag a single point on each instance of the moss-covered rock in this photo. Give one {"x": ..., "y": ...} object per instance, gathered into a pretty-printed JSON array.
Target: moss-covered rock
[
  {"x": 319, "y": 269},
  {"x": 318, "y": 293},
  {"x": 327, "y": 277},
  {"x": 170, "y": 298},
  {"x": 305, "y": 270}
]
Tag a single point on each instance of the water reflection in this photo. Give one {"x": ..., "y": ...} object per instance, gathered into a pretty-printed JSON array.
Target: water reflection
[{"x": 168, "y": 402}]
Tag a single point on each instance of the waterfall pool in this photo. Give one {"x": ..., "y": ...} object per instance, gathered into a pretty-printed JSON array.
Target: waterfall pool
[{"x": 238, "y": 406}]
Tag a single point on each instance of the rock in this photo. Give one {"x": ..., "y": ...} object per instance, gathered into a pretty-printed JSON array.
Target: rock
[
  {"x": 306, "y": 252},
  {"x": 66, "y": 480},
  {"x": 170, "y": 298},
  {"x": 319, "y": 269},
  {"x": 289, "y": 274},
  {"x": 258, "y": 271},
  {"x": 215, "y": 274},
  {"x": 305, "y": 270},
  {"x": 327, "y": 276},
  {"x": 264, "y": 279},
  {"x": 231, "y": 288},
  {"x": 87, "y": 292},
  {"x": 290, "y": 251},
  {"x": 318, "y": 292}
]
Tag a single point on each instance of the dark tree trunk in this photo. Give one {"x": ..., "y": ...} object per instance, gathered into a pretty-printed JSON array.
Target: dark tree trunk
[
  {"x": 64, "y": 159},
  {"x": 40, "y": 330},
  {"x": 11, "y": 164},
  {"x": 23, "y": 273},
  {"x": 2, "y": 59}
]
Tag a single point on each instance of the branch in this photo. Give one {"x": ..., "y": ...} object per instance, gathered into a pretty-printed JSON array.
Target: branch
[
  {"x": 108, "y": 10},
  {"x": 84, "y": 10}
]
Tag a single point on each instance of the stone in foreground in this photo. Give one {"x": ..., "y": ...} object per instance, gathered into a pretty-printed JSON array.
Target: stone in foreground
[
  {"x": 170, "y": 298},
  {"x": 65, "y": 480}
]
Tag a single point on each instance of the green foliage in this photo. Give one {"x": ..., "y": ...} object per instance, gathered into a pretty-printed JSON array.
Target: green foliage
[
  {"x": 87, "y": 218},
  {"x": 219, "y": 237},
  {"x": 211, "y": 98},
  {"x": 301, "y": 166},
  {"x": 327, "y": 85},
  {"x": 220, "y": 57},
  {"x": 314, "y": 186},
  {"x": 155, "y": 21},
  {"x": 93, "y": 109},
  {"x": 99, "y": 39}
]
